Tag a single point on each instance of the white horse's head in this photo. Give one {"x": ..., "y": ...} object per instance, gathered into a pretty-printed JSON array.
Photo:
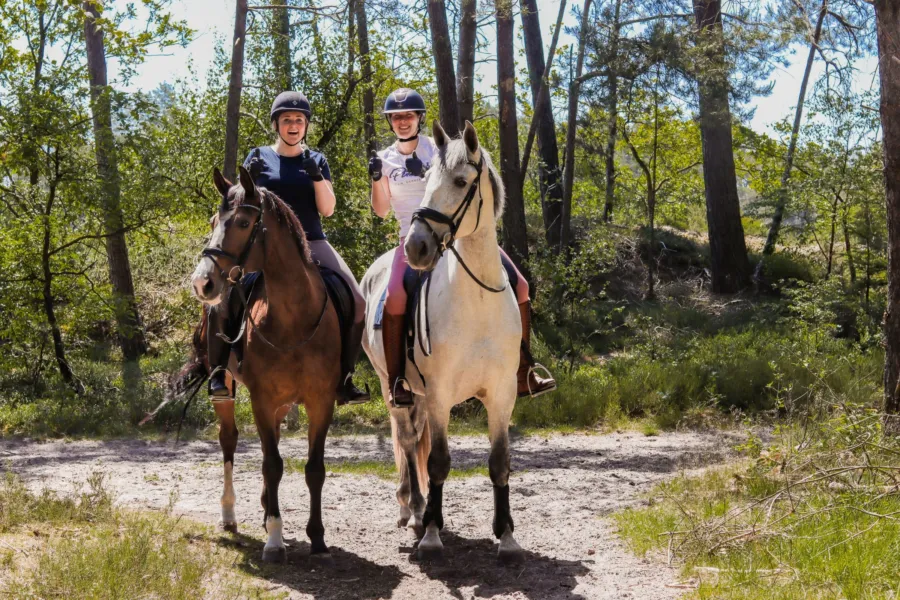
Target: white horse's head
[{"x": 463, "y": 194}]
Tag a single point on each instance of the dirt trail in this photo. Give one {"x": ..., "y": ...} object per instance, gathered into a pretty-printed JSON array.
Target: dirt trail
[{"x": 561, "y": 491}]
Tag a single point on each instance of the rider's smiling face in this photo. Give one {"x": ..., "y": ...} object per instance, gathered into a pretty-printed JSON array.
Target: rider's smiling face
[
  {"x": 405, "y": 124},
  {"x": 292, "y": 126}
]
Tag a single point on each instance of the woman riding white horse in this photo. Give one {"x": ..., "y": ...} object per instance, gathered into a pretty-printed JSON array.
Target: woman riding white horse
[
  {"x": 475, "y": 335},
  {"x": 398, "y": 183}
]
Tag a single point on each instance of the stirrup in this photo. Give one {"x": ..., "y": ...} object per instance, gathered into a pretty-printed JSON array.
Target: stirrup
[
  {"x": 224, "y": 394},
  {"x": 353, "y": 402},
  {"x": 412, "y": 400},
  {"x": 533, "y": 369}
]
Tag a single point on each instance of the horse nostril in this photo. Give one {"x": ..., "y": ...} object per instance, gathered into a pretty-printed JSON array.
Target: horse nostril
[
  {"x": 207, "y": 287},
  {"x": 423, "y": 249}
]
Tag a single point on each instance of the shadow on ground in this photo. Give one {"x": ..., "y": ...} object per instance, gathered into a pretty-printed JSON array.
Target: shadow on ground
[{"x": 473, "y": 563}]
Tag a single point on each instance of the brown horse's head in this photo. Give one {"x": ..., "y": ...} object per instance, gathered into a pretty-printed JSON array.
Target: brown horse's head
[
  {"x": 454, "y": 194},
  {"x": 235, "y": 246}
]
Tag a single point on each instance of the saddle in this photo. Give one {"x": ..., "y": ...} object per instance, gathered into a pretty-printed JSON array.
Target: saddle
[{"x": 339, "y": 293}]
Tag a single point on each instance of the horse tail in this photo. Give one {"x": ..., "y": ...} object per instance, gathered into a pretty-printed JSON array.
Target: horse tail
[{"x": 423, "y": 449}]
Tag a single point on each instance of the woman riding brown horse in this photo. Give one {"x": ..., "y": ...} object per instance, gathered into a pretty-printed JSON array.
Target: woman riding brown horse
[{"x": 290, "y": 339}]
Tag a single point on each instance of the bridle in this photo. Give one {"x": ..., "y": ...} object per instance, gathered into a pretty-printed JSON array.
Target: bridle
[
  {"x": 425, "y": 214},
  {"x": 236, "y": 273}
]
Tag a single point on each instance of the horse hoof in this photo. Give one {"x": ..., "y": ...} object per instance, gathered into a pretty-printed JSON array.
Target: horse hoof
[
  {"x": 510, "y": 551},
  {"x": 430, "y": 546},
  {"x": 229, "y": 526},
  {"x": 322, "y": 558},
  {"x": 401, "y": 522},
  {"x": 274, "y": 555}
]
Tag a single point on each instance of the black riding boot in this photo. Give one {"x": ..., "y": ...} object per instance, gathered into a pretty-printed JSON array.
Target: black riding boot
[
  {"x": 219, "y": 354},
  {"x": 347, "y": 392}
]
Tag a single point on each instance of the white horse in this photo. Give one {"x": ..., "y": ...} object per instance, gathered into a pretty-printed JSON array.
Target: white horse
[{"x": 475, "y": 334}]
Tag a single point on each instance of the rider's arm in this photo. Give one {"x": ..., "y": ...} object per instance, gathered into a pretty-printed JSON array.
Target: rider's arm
[
  {"x": 381, "y": 197},
  {"x": 325, "y": 199}
]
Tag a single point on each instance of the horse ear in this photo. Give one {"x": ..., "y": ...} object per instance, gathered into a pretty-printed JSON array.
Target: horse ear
[
  {"x": 247, "y": 182},
  {"x": 439, "y": 135},
  {"x": 471, "y": 138},
  {"x": 222, "y": 184}
]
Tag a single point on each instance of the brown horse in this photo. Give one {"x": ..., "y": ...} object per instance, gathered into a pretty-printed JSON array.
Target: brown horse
[{"x": 291, "y": 343}]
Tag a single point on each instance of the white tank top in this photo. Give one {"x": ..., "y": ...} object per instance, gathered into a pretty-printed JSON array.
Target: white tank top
[{"x": 407, "y": 190}]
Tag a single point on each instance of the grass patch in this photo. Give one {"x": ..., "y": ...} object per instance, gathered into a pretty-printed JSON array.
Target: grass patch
[
  {"x": 813, "y": 516},
  {"x": 84, "y": 548},
  {"x": 381, "y": 469}
]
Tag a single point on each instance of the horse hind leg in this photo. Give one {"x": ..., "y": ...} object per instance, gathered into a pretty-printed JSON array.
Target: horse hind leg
[
  {"x": 412, "y": 441},
  {"x": 228, "y": 437},
  {"x": 499, "y": 467}
]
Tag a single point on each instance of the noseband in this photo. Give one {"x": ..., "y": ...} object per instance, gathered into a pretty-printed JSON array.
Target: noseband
[{"x": 425, "y": 214}]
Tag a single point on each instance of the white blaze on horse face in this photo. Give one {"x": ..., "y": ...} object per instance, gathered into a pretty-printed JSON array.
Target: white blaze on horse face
[
  {"x": 206, "y": 271},
  {"x": 274, "y": 526},
  {"x": 228, "y": 496}
]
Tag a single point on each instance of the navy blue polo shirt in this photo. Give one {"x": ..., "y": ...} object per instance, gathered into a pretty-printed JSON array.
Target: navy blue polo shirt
[{"x": 285, "y": 176}]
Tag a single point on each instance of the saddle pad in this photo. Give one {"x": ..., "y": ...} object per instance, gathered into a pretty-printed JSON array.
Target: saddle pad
[{"x": 341, "y": 296}]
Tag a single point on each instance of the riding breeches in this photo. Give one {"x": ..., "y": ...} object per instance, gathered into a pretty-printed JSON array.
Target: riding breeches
[
  {"x": 327, "y": 256},
  {"x": 395, "y": 302}
]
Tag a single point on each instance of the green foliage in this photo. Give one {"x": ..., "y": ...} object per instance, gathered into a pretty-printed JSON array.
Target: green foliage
[{"x": 809, "y": 516}]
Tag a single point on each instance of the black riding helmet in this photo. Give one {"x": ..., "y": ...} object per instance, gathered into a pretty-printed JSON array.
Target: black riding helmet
[
  {"x": 404, "y": 100},
  {"x": 287, "y": 102}
]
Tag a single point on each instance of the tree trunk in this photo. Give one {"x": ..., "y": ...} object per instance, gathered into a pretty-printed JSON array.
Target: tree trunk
[
  {"x": 515, "y": 240},
  {"x": 613, "y": 110},
  {"x": 565, "y": 236},
  {"x": 235, "y": 84},
  {"x": 887, "y": 17},
  {"x": 848, "y": 248},
  {"x": 465, "y": 66},
  {"x": 130, "y": 330},
  {"x": 830, "y": 261},
  {"x": 781, "y": 202},
  {"x": 284, "y": 79},
  {"x": 362, "y": 32},
  {"x": 551, "y": 191},
  {"x": 651, "y": 240},
  {"x": 727, "y": 248},
  {"x": 59, "y": 350},
  {"x": 443, "y": 66}
]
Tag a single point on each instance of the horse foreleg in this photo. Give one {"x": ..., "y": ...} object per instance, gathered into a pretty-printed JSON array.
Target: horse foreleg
[
  {"x": 499, "y": 413},
  {"x": 319, "y": 419},
  {"x": 431, "y": 547},
  {"x": 272, "y": 470},
  {"x": 228, "y": 437}
]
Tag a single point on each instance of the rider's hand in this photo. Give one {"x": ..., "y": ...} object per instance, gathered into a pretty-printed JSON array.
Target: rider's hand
[
  {"x": 311, "y": 167},
  {"x": 375, "y": 168},
  {"x": 414, "y": 166},
  {"x": 256, "y": 165}
]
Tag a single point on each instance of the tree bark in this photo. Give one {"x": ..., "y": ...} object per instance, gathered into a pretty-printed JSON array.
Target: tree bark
[
  {"x": 443, "y": 66},
  {"x": 515, "y": 240},
  {"x": 551, "y": 190},
  {"x": 848, "y": 247},
  {"x": 130, "y": 330},
  {"x": 235, "y": 84},
  {"x": 362, "y": 32},
  {"x": 887, "y": 17},
  {"x": 282, "y": 55},
  {"x": 465, "y": 66},
  {"x": 727, "y": 248},
  {"x": 565, "y": 238},
  {"x": 613, "y": 110},
  {"x": 778, "y": 216}
]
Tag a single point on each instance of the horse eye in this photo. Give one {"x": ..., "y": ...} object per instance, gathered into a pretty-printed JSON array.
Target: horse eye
[
  {"x": 460, "y": 182},
  {"x": 243, "y": 223}
]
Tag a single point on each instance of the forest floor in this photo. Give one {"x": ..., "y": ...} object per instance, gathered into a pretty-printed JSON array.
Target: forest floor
[{"x": 563, "y": 488}]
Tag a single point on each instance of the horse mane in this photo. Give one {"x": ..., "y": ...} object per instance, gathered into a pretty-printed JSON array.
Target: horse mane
[
  {"x": 283, "y": 214},
  {"x": 455, "y": 153}
]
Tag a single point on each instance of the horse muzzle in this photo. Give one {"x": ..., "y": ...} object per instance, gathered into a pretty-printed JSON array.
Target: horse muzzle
[
  {"x": 207, "y": 284},
  {"x": 422, "y": 251}
]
